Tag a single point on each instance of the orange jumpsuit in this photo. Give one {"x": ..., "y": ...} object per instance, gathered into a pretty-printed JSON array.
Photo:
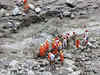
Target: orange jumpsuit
[
  {"x": 77, "y": 43},
  {"x": 42, "y": 51},
  {"x": 46, "y": 45},
  {"x": 61, "y": 57},
  {"x": 26, "y": 6},
  {"x": 54, "y": 47}
]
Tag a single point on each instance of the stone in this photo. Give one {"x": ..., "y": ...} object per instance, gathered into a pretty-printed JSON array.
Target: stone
[
  {"x": 68, "y": 55},
  {"x": 67, "y": 13},
  {"x": 32, "y": 7},
  {"x": 30, "y": 72},
  {"x": 13, "y": 63},
  {"x": 70, "y": 1},
  {"x": 42, "y": 69},
  {"x": 36, "y": 67},
  {"x": 72, "y": 16},
  {"x": 70, "y": 70},
  {"x": 75, "y": 73},
  {"x": 2, "y": 12},
  {"x": 46, "y": 73},
  {"x": 69, "y": 62},
  {"x": 16, "y": 11}
]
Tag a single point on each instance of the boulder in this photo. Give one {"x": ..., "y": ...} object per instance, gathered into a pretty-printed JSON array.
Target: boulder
[
  {"x": 2, "y": 12},
  {"x": 16, "y": 11}
]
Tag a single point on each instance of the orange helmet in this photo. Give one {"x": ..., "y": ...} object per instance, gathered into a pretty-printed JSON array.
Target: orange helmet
[{"x": 25, "y": 1}]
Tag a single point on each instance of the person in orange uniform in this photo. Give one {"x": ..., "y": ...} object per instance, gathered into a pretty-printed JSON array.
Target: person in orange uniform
[
  {"x": 46, "y": 45},
  {"x": 59, "y": 46},
  {"x": 77, "y": 43},
  {"x": 61, "y": 57},
  {"x": 54, "y": 47},
  {"x": 51, "y": 57},
  {"x": 26, "y": 6},
  {"x": 42, "y": 50}
]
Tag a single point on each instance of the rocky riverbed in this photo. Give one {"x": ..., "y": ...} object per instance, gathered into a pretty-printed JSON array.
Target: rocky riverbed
[{"x": 18, "y": 50}]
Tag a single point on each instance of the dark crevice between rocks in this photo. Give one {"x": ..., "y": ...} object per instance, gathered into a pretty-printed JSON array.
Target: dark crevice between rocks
[
  {"x": 1, "y": 52},
  {"x": 14, "y": 52},
  {"x": 70, "y": 5}
]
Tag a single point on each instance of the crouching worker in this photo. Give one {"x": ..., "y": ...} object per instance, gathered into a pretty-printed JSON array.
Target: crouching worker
[
  {"x": 51, "y": 59},
  {"x": 42, "y": 51},
  {"x": 61, "y": 57}
]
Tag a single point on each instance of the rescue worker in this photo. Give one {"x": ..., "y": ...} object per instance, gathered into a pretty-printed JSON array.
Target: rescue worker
[
  {"x": 46, "y": 45},
  {"x": 64, "y": 43},
  {"x": 74, "y": 37},
  {"x": 61, "y": 38},
  {"x": 77, "y": 42},
  {"x": 59, "y": 46},
  {"x": 56, "y": 38},
  {"x": 68, "y": 40},
  {"x": 26, "y": 6},
  {"x": 61, "y": 57},
  {"x": 42, "y": 50},
  {"x": 54, "y": 45},
  {"x": 85, "y": 38},
  {"x": 51, "y": 59}
]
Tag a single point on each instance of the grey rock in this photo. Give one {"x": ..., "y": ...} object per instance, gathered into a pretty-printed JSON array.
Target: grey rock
[
  {"x": 69, "y": 55},
  {"x": 2, "y": 12},
  {"x": 41, "y": 69},
  {"x": 16, "y": 11},
  {"x": 46, "y": 73},
  {"x": 67, "y": 13},
  {"x": 36, "y": 67},
  {"x": 75, "y": 73},
  {"x": 31, "y": 72}
]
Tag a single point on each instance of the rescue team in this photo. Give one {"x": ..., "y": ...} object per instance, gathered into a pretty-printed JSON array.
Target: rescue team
[{"x": 59, "y": 43}]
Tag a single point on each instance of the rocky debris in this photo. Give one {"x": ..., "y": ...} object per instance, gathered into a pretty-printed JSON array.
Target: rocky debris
[
  {"x": 16, "y": 11},
  {"x": 24, "y": 46},
  {"x": 3, "y": 6},
  {"x": 19, "y": 67}
]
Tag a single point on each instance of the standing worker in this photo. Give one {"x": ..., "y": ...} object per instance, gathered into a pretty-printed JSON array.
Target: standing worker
[
  {"x": 61, "y": 57},
  {"x": 54, "y": 47},
  {"x": 42, "y": 51},
  {"x": 26, "y": 6},
  {"x": 46, "y": 46},
  {"x": 74, "y": 37},
  {"x": 59, "y": 46},
  {"x": 77, "y": 42},
  {"x": 64, "y": 43},
  {"x": 51, "y": 59},
  {"x": 85, "y": 38},
  {"x": 68, "y": 40}
]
